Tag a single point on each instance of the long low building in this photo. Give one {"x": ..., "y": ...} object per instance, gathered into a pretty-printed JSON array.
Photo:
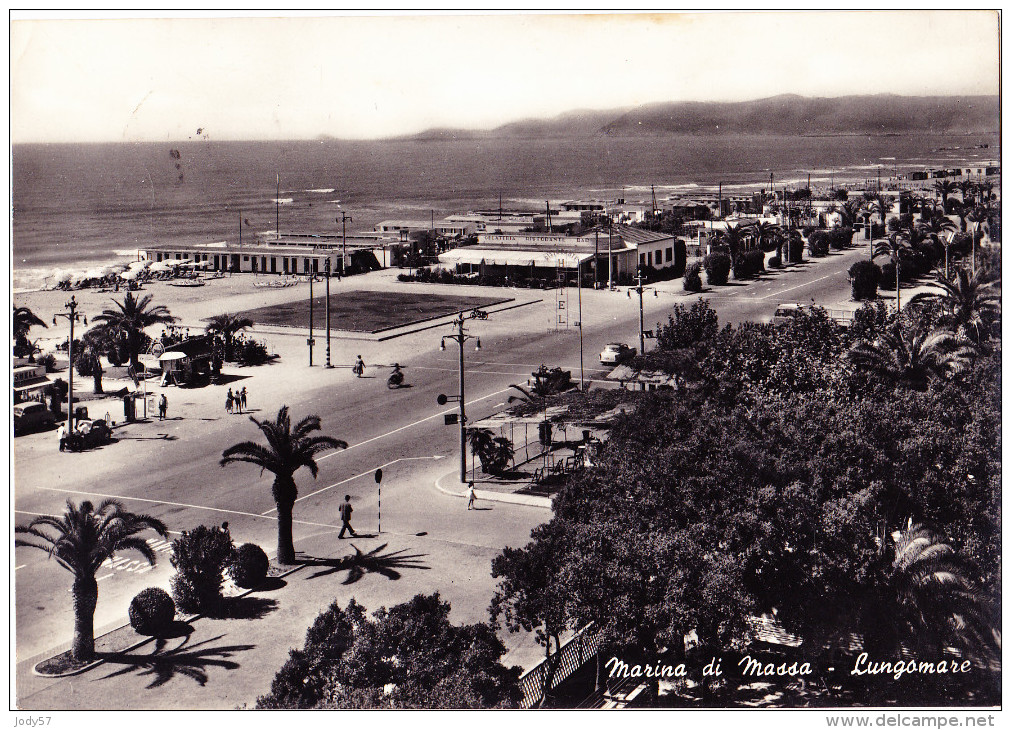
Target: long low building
[
  {"x": 616, "y": 254},
  {"x": 292, "y": 253}
]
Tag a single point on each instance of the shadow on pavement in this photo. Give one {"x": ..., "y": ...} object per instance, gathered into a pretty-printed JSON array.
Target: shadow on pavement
[
  {"x": 185, "y": 660},
  {"x": 375, "y": 561},
  {"x": 247, "y": 607}
]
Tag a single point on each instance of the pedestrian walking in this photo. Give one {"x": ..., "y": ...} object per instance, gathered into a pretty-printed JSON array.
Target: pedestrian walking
[
  {"x": 162, "y": 407},
  {"x": 359, "y": 367},
  {"x": 242, "y": 399},
  {"x": 61, "y": 434},
  {"x": 346, "y": 510},
  {"x": 470, "y": 495},
  {"x": 229, "y": 401}
]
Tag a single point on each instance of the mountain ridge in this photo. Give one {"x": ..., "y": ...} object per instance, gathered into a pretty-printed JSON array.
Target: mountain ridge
[{"x": 784, "y": 114}]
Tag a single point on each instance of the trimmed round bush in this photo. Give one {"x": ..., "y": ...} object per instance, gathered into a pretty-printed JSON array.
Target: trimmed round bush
[
  {"x": 249, "y": 565},
  {"x": 866, "y": 275},
  {"x": 693, "y": 278},
  {"x": 887, "y": 277},
  {"x": 152, "y": 611},
  {"x": 775, "y": 262},
  {"x": 717, "y": 266},
  {"x": 817, "y": 243}
]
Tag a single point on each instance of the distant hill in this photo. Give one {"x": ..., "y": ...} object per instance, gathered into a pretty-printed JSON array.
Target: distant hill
[{"x": 785, "y": 115}]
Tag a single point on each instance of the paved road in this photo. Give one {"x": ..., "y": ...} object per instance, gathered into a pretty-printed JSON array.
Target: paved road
[{"x": 173, "y": 474}]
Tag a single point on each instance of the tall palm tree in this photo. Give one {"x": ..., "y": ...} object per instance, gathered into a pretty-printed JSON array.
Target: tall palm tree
[
  {"x": 288, "y": 449},
  {"x": 968, "y": 300},
  {"x": 935, "y": 602},
  {"x": 734, "y": 238},
  {"x": 910, "y": 356},
  {"x": 22, "y": 321},
  {"x": 968, "y": 190},
  {"x": 895, "y": 247},
  {"x": 765, "y": 235},
  {"x": 227, "y": 326},
  {"x": 963, "y": 210},
  {"x": 937, "y": 225},
  {"x": 879, "y": 205},
  {"x": 131, "y": 317},
  {"x": 80, "y": 542},
  {"x": 944, "y": 188}
]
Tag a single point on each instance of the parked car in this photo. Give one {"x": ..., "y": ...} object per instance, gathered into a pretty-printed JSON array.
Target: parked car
[
  {"x": 33, "y": 416},
  {"x": 787, "y": 312},
  {"x": 88, "y": 434},
  {"x": 616, "y": 353}
]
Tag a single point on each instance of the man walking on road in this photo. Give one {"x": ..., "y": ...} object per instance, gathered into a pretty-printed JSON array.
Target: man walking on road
[
  {"x": 346, "y": 510},
  {"x": 470, "y": 495},
  {"x": 162, "y": 407},
  {"x": 61, "y": 434}
]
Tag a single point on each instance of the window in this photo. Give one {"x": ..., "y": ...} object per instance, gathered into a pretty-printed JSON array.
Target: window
[
  {"x": 670, "y": 254},
  {"x": 305, "y": 266},
  {"x": 245, "y": 258},
  {"x": 642, "y": 259}
]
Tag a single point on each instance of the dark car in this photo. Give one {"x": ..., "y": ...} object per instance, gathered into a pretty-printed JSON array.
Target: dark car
[
  {"x": 89, "y": 434},
  {"x": 32, "y": 416}
]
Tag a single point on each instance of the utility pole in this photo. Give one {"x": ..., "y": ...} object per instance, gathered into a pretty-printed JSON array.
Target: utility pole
[
  {"x": 579, "y": 290},
  {"x": 328, "y": 312},
  {"x": 71, "y": 316},
  {"x": 311, "y": 341},
  {"x": 639, "y": 278},
  {"x": 277, "y": 209},
  {"x": 344, "y": 239},
  {"x": 461, "y": 336},
  {"x": 610, "y": 267}
]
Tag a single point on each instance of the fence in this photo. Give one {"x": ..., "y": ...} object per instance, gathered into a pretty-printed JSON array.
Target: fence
[{"x": 573, "y": 654}]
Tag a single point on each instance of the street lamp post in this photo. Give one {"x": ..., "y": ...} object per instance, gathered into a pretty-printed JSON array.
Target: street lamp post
[
  {"x": 328, "y": 312},
  {"x": 639, "y": 278},
  {"x": 461, "y": 336},
  {"x": 344, "y": 239},
  {"x": 71, "y": 316}
]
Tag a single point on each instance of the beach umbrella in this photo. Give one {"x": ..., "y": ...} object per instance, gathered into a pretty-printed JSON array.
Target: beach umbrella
[
  {"x": 129, "y": 274},
  {"x": 160, "y": 266},
  {"x": 138, "y": 265}
]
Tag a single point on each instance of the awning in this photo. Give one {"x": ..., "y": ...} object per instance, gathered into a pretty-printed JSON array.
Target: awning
[
  {"x": 499, "y": 257},
  {"x": 33, "y": 384}
]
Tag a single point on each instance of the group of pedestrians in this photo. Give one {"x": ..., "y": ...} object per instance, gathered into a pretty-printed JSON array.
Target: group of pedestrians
[{"x": 235, "y": 402}]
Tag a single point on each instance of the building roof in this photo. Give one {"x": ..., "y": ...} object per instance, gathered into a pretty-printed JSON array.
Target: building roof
[
  {"x": 516, "y": 257},
  {"x": 637, "y": 236}
]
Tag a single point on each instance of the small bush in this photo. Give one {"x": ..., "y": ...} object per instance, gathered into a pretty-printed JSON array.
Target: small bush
[
  {"x": 817, "y": 243},
  {"x": 717, "y": 266},
  {"x": 887, "y": 277},
  {"x": 249, "y": 565},
  {"x": 756, "y": 261},
  {"x": 252, "y": 352},
  {"x": 152, "y": 611},
  {"x": 866, "y": 275},
  {"x": 200, "y": 557},
  {"x": 775, "y": 262},
  {"x": 693, "y": 278},
  {"x": 795, "y": 250},
  {"x": 49, "y": 361}
]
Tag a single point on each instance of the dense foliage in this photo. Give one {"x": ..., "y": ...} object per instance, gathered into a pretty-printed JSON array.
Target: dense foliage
[
  {"x": 865, "y": 276},
  {"x": 152, "y": 611},
  {"x": 200, "y": 557},
  {"x": 248, "y": 565},
  {"x": 717, "y": 266},
  {"x": 408, "y": 656},
  {"x": 846, "y": 481}
]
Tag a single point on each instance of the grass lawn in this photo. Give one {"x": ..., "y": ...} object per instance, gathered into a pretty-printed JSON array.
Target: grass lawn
[{"x": 367, "y": 311}]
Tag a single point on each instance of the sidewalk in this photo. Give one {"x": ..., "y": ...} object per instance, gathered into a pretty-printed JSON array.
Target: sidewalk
[{"x": 228, "y": 663}]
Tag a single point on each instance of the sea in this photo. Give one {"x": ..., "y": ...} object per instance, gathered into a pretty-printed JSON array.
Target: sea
[{"x": 78, "y": 206}]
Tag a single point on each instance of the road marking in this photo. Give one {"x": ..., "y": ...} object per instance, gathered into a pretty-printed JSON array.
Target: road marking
[
  {"x": 409, "y": 425},
  {"x": 19, "y": 567},
  {"x": 359, "y": 476},
  {"x": 806, "y": 283},
  {"x": 181, "y": 504}
]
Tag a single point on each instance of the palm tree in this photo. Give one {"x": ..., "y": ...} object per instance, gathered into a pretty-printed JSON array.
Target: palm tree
[
  {"x": 935, "y": 602},
  {"x": 879, "y": 205},
  {"x": 734, "y": 238},
  {"x": 968, "y": 190},
  {"x": 23, "y": 320},
  {"x": 481, "y": 440},
  {"x": 911, "y": 356},
  {"x": 765, "y": 235},
  {"x": 85, "y": 538},
  {"x": 288, "y": 449},
  {"x": 895, "y": 247},
  {"x": 227, "y": 326},
  {"x": 131, "y": 317},
  {"x": 944, "y": 188},
  {"x": 968, "y": 301}
]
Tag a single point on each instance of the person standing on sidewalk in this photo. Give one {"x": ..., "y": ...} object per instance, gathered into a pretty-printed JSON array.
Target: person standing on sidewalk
[
  {"x": 229, "y": 400},
  {"x": 162, "y": 407},
  {"x": 242, "y": 399},
  {"x": 61, "y": 434},
  {"x": 470, "y": 495},
  {"x": 346, "y": 510}
]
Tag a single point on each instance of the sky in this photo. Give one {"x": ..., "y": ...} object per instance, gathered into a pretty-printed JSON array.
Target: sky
[{"x": 85, "y": 78}]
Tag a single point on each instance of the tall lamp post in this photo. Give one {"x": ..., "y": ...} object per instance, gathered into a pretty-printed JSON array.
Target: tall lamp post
[
  {"x": 328, "y": 311},
  {"x": 71, "y": 316},
  {"x": 461, "y": 336},
  {"x": 639, "y": 278},
  {"x": 343, "y": 220}
]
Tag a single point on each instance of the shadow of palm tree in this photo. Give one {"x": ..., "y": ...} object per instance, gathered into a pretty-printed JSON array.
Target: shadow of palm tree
[
  {"x": 186, "y": 660},
  {"x": 247, "y": 607},
  {"x": 374, "y": 561}
]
